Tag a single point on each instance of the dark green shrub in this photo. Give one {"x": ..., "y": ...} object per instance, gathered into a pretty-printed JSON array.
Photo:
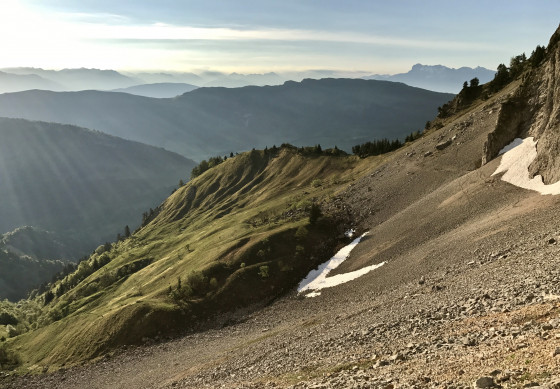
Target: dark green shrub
[
  {"x": 197, "y": 282},
  {"x": 7, "y": 318},
  {"x": 314, "y": 213},
  {"x": 264, "y": 271}
]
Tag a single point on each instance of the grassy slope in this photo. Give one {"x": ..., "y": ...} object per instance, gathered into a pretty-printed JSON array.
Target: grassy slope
[{"x": 217, "y": 223}]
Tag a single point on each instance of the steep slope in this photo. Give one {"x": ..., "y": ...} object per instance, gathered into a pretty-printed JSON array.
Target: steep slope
[
  {"x": 235, "y": 236},
  {"x": 216, "y": 121},
  {"x": 83, "y": 185}
]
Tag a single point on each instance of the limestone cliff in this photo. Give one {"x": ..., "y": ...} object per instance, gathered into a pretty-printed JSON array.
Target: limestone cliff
[
  {"x": 533, "y": 109},
  {"x": 542, "y": 87}
]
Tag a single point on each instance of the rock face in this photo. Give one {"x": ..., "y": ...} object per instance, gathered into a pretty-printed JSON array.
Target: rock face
[
  {"x": 511, "y": 123},
  {"x": 545, "y": 94},
  {"x": 533, "y": 110}
]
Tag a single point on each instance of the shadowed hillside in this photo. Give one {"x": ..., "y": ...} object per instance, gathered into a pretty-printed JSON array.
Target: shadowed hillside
[
  {"x": 216, "y": 121},
  {"x": 83, "y": 185}
]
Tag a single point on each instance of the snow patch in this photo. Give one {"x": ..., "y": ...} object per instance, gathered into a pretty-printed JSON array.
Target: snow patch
[
  {"x": 516, "y": 159},
  {"x": 317, "y": 279}
]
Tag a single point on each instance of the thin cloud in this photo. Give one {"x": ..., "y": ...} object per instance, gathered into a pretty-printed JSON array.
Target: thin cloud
[
  {"x": 98, "y": 18},
  {"x": 162, "y": 31}
]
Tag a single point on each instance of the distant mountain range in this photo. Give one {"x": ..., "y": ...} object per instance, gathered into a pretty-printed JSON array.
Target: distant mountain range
[
  {"x": 216, "y": 121},
  {"x": 158, "y": 90},
  {"x": 144, "y": 84},
  {"x": 437, "y": 77},
  {"x": 18, "y": 82},
  {"x": 83, "y": 186},
  {"x": 236, "y": 80},
  {"x": 75, "y": 79}
]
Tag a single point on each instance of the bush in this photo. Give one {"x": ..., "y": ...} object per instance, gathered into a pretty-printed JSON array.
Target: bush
[
  {"x": 7, "y": 358},
  {"x": 316, "y": 183},
  {"x": 264, "y": 271},
  {"x": 8, "y": 318},
  {"x": 413, "y": 136},
  {"x": 180, "y": 292},
  {"x": 314, "y": 213},
  {"x": 537, "y": 56},
  {"x": 12, "y": 331},
  {"x": 198, "y": 282},
  {"x": 206, "y": 165}
]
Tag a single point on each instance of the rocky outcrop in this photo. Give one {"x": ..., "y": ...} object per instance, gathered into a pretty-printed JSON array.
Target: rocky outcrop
[
  {"x": 544, "y": 87},
  {"x": 512, "y": 121},
  {"x": 533, "y": 109}
]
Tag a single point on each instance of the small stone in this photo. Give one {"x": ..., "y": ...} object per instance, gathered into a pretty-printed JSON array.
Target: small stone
[
  {"x": 427, "y": 154},
  {"x": 551, "y": 241},
  {"x": 468, "y": 341},
  {"x": 556, "y": 351},
  {"x": 443, "y": 145},
  {"x": 484, "y": 382}
]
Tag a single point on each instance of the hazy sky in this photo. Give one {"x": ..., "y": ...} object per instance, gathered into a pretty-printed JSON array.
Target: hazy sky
[{"x": 375, "y": 36}]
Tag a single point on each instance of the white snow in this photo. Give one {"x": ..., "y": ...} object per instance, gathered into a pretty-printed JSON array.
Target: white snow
[
  {"x": 317, "y": 279},
  {"x": 517, "y": 158}
]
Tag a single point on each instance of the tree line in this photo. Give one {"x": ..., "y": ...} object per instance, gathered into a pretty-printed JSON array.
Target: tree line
[
  {"x": 504, "y": 75},
  {"x": 383, "y": 146}
]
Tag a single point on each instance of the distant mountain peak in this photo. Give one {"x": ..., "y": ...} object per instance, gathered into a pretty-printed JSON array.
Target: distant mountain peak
[{"x": 438, "y": 78}]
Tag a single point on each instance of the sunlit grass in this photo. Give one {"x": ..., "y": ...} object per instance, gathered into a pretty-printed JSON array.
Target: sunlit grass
[{"x": 247, "y": 198}]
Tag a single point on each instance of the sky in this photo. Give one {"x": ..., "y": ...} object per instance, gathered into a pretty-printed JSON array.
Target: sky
[{"x": 257, "y": 36}]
